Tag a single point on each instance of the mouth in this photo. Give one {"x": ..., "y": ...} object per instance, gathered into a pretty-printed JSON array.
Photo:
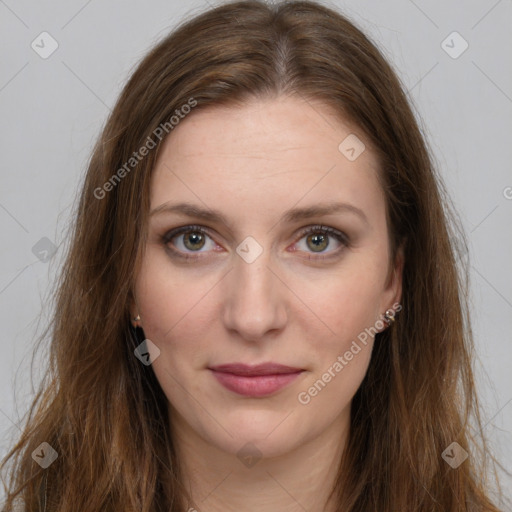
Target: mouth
[{"x": 255, "y": 381}]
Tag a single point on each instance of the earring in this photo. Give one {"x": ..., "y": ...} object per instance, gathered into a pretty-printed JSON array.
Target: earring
[
  {"x": 389, "y": 317},
  {"x": 136, "y": 331}
]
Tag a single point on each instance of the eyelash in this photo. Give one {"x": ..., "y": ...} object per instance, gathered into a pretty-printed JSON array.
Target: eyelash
[{"x": 317, "y": 229}]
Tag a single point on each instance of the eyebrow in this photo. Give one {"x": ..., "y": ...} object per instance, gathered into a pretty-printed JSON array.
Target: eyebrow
[{"x": 293, "y": 215}]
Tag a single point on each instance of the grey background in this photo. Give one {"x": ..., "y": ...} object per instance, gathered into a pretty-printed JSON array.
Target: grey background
[{"x": 53, "y": 109}]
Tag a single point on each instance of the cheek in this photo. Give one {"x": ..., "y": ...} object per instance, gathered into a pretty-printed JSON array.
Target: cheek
[
  {"x": 168, "y": 297},
  {"x": 344, "y": 303},
  {"x": 170, "y": 303},
  {"x": 342, "y": 353}
]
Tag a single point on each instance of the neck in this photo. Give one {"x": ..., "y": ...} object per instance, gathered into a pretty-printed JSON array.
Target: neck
[{"x": 295, "y": 481}]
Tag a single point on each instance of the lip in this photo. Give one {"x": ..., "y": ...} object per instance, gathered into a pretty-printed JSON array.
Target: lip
[{"x": 255, "y": 380}]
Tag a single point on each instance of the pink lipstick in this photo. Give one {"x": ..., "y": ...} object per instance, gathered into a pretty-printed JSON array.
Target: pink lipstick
[{"x": 255, "y": 381}]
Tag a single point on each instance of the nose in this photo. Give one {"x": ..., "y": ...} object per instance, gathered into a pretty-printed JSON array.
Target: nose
[{"x": 255, "y": 299}]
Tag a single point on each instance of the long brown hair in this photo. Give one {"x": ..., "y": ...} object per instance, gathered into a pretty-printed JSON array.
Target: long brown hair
[{"x": 104, "y": 412}]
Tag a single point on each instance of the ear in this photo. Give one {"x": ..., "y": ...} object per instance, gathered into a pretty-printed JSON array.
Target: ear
[
  {"x": 133, "y": 310},
  {"x": 393, "y": 291}
]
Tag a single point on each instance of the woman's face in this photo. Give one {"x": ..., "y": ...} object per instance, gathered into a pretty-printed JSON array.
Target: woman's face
[{"x": 262, "y": 281}]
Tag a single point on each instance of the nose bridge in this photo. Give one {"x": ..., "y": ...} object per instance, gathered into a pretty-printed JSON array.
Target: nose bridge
[{"x": 254, "y": 300}]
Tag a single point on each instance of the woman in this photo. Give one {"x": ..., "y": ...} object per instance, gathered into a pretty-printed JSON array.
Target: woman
[{"x": 261, "y": 308}]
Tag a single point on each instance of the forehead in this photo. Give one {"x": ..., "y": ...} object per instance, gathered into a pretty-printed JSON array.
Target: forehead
[
  {"x": 269, "y": 125},
  {"x": 263, "y": 152}
]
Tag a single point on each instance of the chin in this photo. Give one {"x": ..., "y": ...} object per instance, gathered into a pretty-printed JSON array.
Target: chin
[
  {"x": 267, "y": 432},
  {"x": 260, "y": 446}
]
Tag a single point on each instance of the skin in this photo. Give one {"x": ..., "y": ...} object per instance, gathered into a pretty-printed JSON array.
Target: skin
[{"x": 253, "y": 163}]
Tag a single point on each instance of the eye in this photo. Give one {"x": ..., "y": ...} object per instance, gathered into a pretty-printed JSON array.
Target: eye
[
  {"x": 317, "y": 239},
  {"x": 188, "y": 239}
]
